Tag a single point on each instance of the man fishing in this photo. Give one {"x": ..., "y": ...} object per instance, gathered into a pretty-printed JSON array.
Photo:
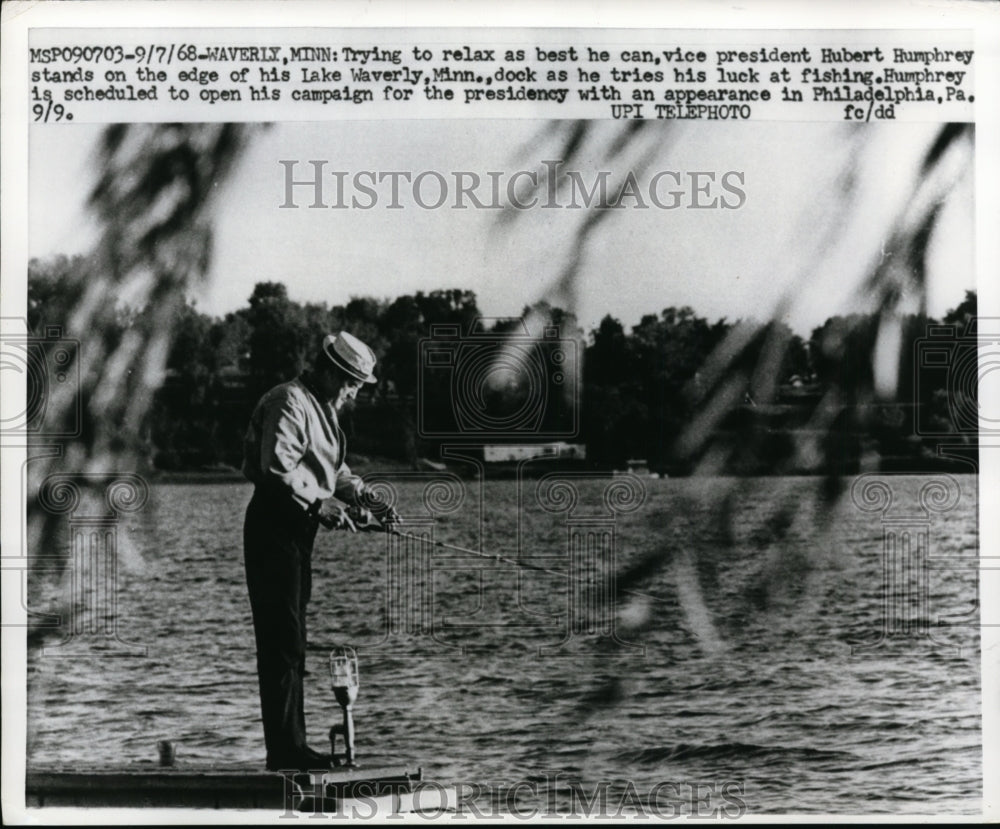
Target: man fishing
[{"x": 294, "y": 454}]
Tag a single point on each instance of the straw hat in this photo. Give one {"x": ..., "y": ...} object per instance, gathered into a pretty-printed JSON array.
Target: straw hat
[{"x": 350, "y": 355}]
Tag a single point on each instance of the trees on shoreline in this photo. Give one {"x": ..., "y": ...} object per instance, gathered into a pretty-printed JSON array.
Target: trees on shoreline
[{"x": 637, "y": 389}]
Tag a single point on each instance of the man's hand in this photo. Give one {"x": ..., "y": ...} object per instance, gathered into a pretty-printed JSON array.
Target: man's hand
[{"x": 333, "y": 516}]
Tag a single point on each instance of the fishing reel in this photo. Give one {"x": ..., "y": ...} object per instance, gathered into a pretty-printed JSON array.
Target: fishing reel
[
  {"x": 360, "y": 519},
  {"x": 365, "y": 519}
]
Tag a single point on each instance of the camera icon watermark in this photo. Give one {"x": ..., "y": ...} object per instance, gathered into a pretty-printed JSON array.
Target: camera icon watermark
[
  {"x": 953, "y": 368},
  {"x": 488, "y": 385},
  {"x": 50, "y": 366}
]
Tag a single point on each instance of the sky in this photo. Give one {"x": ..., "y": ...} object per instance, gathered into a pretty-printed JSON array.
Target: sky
[{"x": 792, "y": 236}]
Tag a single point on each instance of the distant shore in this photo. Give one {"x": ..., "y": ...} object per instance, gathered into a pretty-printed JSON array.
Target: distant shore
[{"x": 501, "y": 471}]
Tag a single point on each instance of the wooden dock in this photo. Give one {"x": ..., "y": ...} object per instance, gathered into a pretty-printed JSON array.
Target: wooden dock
[{"x": 381, "y": 789}]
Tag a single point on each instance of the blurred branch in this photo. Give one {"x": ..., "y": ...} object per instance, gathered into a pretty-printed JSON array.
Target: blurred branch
[
  {"x": 748, "y": 361},
  {"x": 154, "y": 198}
]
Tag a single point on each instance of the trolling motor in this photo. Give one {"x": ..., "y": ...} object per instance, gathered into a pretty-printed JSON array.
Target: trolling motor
[{"x": 344, "y": 680}]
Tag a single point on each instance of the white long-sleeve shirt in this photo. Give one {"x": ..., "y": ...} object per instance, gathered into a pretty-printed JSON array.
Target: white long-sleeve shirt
[{"x": 296, "y": 441}]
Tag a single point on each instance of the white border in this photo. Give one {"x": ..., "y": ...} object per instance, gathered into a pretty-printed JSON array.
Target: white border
[{"x": 17, "y": 17}]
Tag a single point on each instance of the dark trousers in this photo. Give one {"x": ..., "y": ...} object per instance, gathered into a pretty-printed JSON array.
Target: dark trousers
[{"x": 278, "y": 540}]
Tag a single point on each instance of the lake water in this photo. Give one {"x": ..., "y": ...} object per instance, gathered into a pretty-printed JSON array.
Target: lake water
[{"x": 736, "y": 667}]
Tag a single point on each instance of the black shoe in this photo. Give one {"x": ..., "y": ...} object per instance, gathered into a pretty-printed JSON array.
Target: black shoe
[{"x": 325, "y": 761}]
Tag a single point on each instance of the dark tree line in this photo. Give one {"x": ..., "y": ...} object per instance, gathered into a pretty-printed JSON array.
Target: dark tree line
[{"x": 638, "y": 388}]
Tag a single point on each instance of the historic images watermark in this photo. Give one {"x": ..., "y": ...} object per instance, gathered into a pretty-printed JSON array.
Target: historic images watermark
[
  {"x": 92, "y": 505},
  {"x": 954, "y": 366},
  {"x": 955, "y": 371},
  {"x": 497, "y": 393},
  {"x": 546, "y": 796},
  {"x": 310, "y": 184},
  {"x": 583, "y": 508}
]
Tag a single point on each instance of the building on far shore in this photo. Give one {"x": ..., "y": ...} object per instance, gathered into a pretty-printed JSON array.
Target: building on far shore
[{"x": 506, "y": 453}]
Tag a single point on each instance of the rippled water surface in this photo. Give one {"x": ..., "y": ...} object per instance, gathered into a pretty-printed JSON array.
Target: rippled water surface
[{"x": 736, "y": 662}]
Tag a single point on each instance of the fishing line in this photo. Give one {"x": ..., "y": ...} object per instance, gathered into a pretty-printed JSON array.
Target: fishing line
[{"x": 527, "y": 565}]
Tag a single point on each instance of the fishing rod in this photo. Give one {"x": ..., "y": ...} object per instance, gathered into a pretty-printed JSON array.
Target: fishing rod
[{"x": 372, "y": 525}]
